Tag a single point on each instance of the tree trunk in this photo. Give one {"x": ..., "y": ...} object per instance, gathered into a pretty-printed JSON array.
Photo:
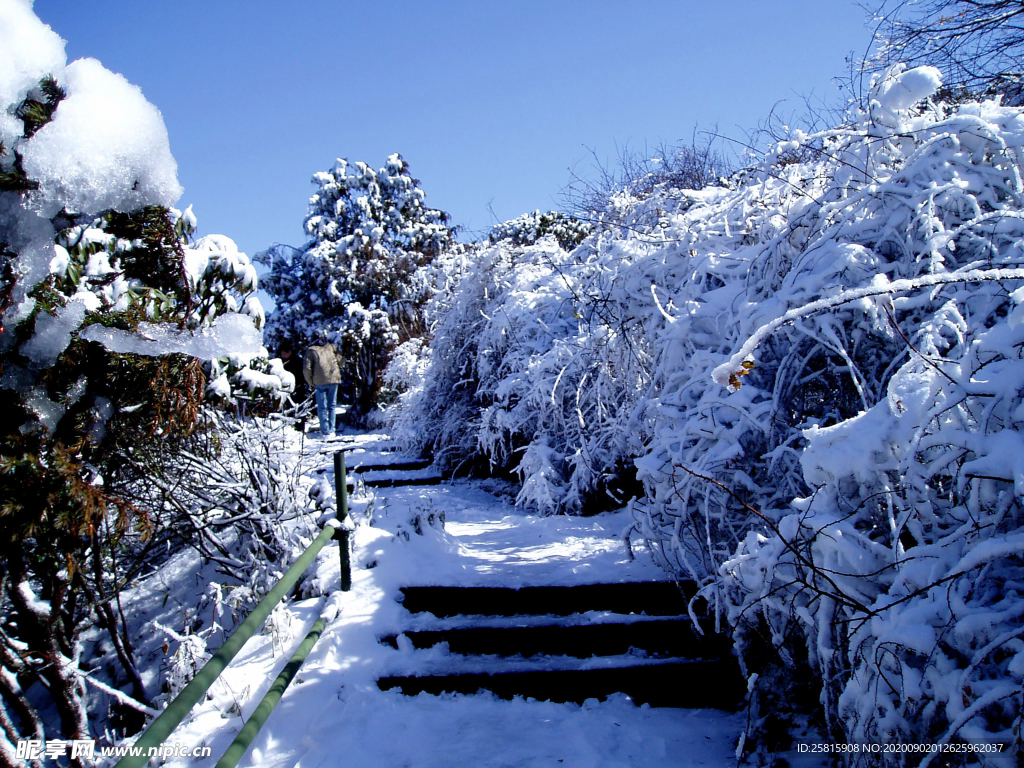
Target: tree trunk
[{"x": 38, "y": 623}]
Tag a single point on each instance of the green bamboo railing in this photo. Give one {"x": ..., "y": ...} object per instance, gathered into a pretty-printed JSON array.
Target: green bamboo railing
[
  {"x": 165, "y": 723},
  {"x": 266, "y": 706}
]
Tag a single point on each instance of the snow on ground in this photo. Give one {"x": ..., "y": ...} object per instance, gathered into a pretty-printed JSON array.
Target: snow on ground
[
  {"x": 334, "y": 714},
  {"x": 490, "y": 543}
]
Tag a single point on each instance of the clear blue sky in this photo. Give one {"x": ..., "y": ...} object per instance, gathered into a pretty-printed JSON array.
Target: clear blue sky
[{"x": 491, "y": 103}]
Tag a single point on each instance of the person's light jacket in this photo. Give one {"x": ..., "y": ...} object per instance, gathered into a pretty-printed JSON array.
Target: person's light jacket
[{"x": 320, "y": 365}]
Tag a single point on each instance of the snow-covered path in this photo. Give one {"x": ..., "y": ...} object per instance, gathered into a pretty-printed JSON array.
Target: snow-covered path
[{"x": 335, "y": 715}]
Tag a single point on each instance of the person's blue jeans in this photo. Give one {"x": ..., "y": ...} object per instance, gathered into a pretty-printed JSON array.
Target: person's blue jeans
[{"x": 326, "y": 399}]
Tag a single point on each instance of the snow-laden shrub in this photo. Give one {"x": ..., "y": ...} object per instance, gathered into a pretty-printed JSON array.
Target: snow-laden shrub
[
  {"x": 103, "y": 323},
  {"x": 871, "y": 328},
  {"x": 188, "y": 658},
  {"x": 106, "y": 263},
  {"x": 894, "y": 569},
  {"x": 246, "y": 496},
  {"x": 531, "y": 227},
  {"x": 518, "y": 354},
  {"x": 435, "y": 412},
  {"x": 245, "y": 502},
  {"x": 221, "y": 278},
  {"x": 815, "y": 373}
]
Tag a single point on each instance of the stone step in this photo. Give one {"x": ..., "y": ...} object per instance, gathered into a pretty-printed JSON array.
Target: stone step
[
  {"x": 396, "y": 482},
  {"x": 400, "y": 464},
  {"x": 654, "y": 598},
  {"x": 691, "y": 684},
  {"x": 655, "y": 637},
  {"x": 354, "y": 450},
  {"x": 358, "y": 449}
]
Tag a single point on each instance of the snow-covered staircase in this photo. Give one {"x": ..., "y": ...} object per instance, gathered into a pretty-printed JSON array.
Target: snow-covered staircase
[
  {"x": 565, "y": 644},
  {"x": 550, "y": 641},
  {"x": 393, "y": 474}
]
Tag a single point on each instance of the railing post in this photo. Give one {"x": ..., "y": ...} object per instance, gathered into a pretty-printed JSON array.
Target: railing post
[
  {"x": 341, "y": 533},
  {"x": 341, "y": 484}
]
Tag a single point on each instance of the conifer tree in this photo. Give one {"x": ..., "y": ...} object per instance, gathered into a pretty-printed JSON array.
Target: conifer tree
[{"x": 370, "y": 231}]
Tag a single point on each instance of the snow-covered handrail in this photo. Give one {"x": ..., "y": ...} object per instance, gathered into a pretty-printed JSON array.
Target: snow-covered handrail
[{"x": 149, "y": 743}]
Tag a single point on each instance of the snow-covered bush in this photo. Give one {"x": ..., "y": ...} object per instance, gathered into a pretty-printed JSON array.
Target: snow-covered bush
[
  {"x": 188, "y": 658},
  {"x": 854, "y": 474},
  {"x": 977, "y": 44},
  {"x": 241, "y": 496},
  {"x": 640, "y": 174},
  {"x": 103, "y": 256},
  {"x": 221, "y": 279},
  {"x": 259, "y": 378},
  {"x": 529, "y": 372},
  {"x": 531, "y": 227},
  {"x": 246, "y": 497},
  {"x": 814, "y": 372},
  {"x": 878, "y": 349}
]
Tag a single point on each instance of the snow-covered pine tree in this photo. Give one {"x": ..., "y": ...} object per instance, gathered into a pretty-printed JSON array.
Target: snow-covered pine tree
[{"x": 369, "y": 233}]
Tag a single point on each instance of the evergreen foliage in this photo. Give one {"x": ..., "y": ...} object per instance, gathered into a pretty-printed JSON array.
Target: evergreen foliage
[
  {"x": 87, "y": 432},
  {"x": 34, "y": 113},
  {"x": 80, "y": 434},
  {"x": 370, "y": 232},
  {"x": 531, "y": 227}
]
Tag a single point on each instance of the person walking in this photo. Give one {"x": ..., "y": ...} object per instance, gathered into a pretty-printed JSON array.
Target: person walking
[{"x": 323, "y": 374}]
